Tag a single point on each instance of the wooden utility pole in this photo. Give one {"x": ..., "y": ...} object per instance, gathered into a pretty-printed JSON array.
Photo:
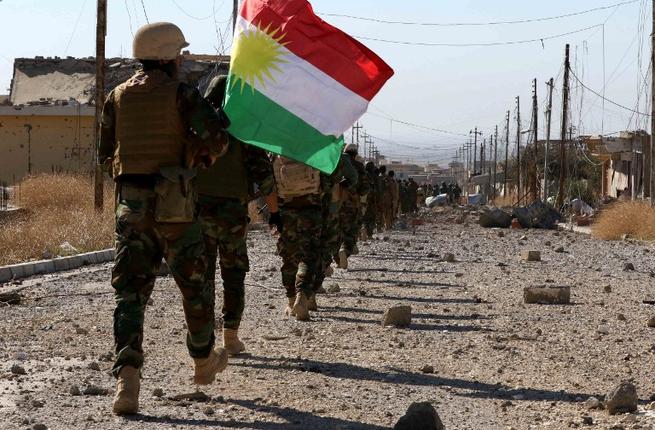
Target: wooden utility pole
[
  {"x": 235, "y": 13},
  {"x": 565, "y": 114},
  {"x": 535, "y": 138},
  {"x": 101, "y": 33},
  {"x": 518, "y": 149},
  {"x": 495, "y": 164},
  {"x": 549, "y": 116},
  {"x": 355, "y": 134},
  {"x": 506, "y": 154},
  {"x": 475, "y": 150},
  {"x": 652, "y": 116}
]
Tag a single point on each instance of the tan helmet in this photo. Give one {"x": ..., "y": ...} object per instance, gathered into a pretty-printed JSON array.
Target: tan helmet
[
  {"x": 351, "y": 148},
  {"x": 158, "y": 41}
]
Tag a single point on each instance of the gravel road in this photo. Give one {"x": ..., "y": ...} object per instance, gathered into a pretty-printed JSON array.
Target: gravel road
[{"x": 483, "y": 358}]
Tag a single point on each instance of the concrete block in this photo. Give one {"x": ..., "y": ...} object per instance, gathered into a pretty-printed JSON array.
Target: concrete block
[
  {"x": 74, "y": 262},
  {"x": 17, "y": 271},
  {"x": 61, "y": 264},
  {"x": 39, "y": 267},
  {"x": 28, "y": 269},
  {"x": 531, "y": 256},
  {"x": 49, "y": 266},
  {"x": 547, "y": 295},
  {"x": 5, "y": 274}
]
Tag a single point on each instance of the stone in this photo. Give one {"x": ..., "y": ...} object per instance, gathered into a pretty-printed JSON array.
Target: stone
[
  {"x": 427, "y": 369},
  {"x": 651, "y": 322},
  {"x": 448, "y": 257},
  {"x": 531, "y": 256},
  {"x": 37, "y": 404},
  {"x": 94, "y": 390},
  {"x": 94, "y": 366},
  {"x": 593, "y": 403},
  {"x": 628, "y": 267},
  {"x": 607, "y": 289},
  {"x": 559, "y": 249},
  {"x": 17, "y": 369},
  {"x": 10, "y": 298},
  {"x": 74, "y": 390},
  {"x": 523, "y": 238},
  {"x": 398, "y": 316},
  {"x": 501, "y": 233},
  {"x": 587, "y": 420},
  {"x": 603, "y": 329},
  {"x": 547, "y": 295},
  {"x": 39, "y": 427},
  {"x": 80, "y": 330},
  {"x": 621, "y": 317},
  {"x": 622, "y": 399},
  {"x": 334, "y": 288},
  {"x": 420, "y": 416},
  {"x": 158, "y": 392}
]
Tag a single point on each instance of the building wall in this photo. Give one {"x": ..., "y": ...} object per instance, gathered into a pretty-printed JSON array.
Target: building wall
[{"x": 44, "y": 144}]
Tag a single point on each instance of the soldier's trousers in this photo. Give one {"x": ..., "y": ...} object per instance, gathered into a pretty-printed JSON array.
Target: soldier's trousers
[
  {"x": 224, "y": 225},
  {"x": 350, "y": 224},
  {"x": 141, "y": 242},
  {"x": 369, "y": 220},
  {"x": 299, "y": 246}
]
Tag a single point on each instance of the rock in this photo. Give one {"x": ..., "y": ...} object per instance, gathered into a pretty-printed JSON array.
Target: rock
[
  {"x": 559, "y": 249},
  {"x": 603, "y": 329},
  {"x": 622, "y": 399},
  {"x": 420, "y": 416},
  {"x": 94, "y": 366},
  {"x": 547, "y": 295},
  {"x": 607, "y": 289},
  {"x": 67, "y": 249},
  {"x": 628, "y": 267},
  {"x": 94, "y": 390},
  {"x": 80, "y": 330},
  {"x": 398, "y": 316},
  {"x": 523, "y": 238},
  {"x": 587, "y": 420},
  {"x": 74, "y": 390},
  {"x": 427, "y": 369},
  {"x": 334, "y": 288},
  {"x": 208, "y": 411},
  {"x": 17, "y": 369},
  {"x": 10, "y": 298},
  {"x": 158, "y": 392},
  {"x": 531, "y": 256},
  {"x": 593, "y": 403},
  {"x": 448, "y": 257},
  {"x": 501, "y": 233},
  {"x": 651, "y": 322},
  {"x": 39, "y": 427},
  {"x": 621, "y": 317}
]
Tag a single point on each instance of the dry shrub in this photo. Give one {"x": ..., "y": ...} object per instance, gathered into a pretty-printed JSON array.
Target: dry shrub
[
  {"x": 636, "y": 219},
  {"x": 505, "y": 201},
  {"x": 57, "y": 208}
]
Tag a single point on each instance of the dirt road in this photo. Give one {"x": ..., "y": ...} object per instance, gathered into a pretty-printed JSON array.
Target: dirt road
[{"x": 483, "y": 358}]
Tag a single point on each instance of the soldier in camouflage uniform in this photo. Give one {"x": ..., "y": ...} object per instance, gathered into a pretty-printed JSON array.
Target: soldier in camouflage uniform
[
  {"x": 383, "y": 196},
  {"x": 350, "y": 218},
  {"x": 154, "y": 131},
  {"x": 372, "y": 199},
  {"x": 223, "y": 192}
]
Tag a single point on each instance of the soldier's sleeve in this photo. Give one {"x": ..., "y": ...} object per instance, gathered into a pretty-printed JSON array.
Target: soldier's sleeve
[
  {"x": 350, "y": 173},
  {"x": 260, "y": 169},
  {"x": 364, "y": 187},
  {"x": 107, "y": 141},
  {"x": 201, "y": 118}
]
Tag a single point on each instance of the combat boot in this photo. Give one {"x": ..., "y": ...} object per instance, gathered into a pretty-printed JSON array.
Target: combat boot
[
  {"x": 207, "y": 368},
  {"x": 355, "y": 250},
  {"x": 126, "y": 399},
  {"x": 231, "y": 342},
  {"x": 343, "y": 259},
  {"x": 311, "y": 303},
  {"x": 289, "y": 310},
  {"x": 300, "y": 307}
]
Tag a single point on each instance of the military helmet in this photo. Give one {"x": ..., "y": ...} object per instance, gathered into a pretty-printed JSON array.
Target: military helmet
[
  {"x": 158, "y": 41},
  {"x": 351, "y": 148},
  {"x": 215, "y": 92}
]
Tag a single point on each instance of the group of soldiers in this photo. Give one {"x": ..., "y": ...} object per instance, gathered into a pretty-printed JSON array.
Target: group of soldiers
[
  {"x": 452, "y": 190},
  {"x": 182, "y": 187}
]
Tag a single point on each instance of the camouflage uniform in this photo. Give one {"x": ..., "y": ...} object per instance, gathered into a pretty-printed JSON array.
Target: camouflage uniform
[
  {"x": 350, "y": 217},
  {"x": 223, "y": 215},
  {"x": 142, "y": 240},
  {"x": 372, "y": 203}
]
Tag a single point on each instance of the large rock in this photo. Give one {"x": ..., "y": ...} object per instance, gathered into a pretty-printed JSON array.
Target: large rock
[
  {"x": 622, "y": 399},
  {"x": 547, "y": 295},
  {"x": 495, "y": 218},
  {"x": 420, "y": 416},
  {"x": 398, "y": 316},
  {"x": 531, "y": 256}
]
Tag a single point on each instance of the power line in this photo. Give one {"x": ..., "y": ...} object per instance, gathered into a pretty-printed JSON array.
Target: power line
[
  {"x": 605, "y": 98},
  {"x": 189, "y": 15},
  {"x": 471, "y": 24},
  {"x": 460, "y": 45},
  {"x": 143, "y": 4},
  {"x": 129, "y": 17},
  {"x": 417, "y": 125},
  {"x": 77, "y": 22}
]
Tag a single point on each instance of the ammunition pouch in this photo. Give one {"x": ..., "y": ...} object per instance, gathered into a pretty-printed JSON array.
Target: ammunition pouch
[{"x": 176, "y": 195}]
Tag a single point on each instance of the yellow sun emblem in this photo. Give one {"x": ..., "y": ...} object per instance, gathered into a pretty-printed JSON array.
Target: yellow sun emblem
[{"x": 256, "y": 53}]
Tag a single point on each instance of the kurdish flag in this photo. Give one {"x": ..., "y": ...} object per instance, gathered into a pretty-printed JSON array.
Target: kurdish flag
[{"x": 296, "y": 83}]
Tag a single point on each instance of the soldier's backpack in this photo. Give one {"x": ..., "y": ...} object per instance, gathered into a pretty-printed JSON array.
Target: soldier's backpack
[{"x": 295, "y": 179}]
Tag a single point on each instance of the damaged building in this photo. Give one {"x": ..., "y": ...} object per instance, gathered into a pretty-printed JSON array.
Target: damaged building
[{"x": 47, "y": 121}]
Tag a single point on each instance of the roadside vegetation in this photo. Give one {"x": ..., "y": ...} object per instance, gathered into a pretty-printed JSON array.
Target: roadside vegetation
[{"x": 632, "y": 219}]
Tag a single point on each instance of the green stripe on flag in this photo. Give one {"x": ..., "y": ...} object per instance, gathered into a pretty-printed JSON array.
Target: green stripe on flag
[{"x": 259, "y": 121}]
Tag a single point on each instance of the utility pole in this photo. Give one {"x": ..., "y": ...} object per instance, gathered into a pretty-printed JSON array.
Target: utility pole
[
  {"x": 652, "y": 116},
  {"x": 506, "y": 154},
  {"x": 518, "y": 149},
  {"x": 475, "y": 149},
  {"x": 235, "y": 13},
  {"x": 535, "y": 129},
  {"x": 355, "y": 132},
  {"x": 495, "y": 163},
  {"x": 549, "y": 116},
  {"x": 565, "y": 114},
  {"x": 101, "y": 33}
]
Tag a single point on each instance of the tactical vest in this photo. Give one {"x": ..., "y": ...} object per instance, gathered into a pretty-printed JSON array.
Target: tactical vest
[
  {"x": 228, "y": 177},
  {"x": 149, "y": 131},
  {"x": 295, "y": 179}
]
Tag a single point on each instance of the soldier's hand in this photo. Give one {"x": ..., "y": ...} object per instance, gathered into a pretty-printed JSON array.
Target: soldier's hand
[{"x": 275, "y": 220}]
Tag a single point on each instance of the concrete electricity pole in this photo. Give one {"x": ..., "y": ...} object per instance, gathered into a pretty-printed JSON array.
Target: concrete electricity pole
[
  {"x": 565, "y": 114},
  {"x": 535, "y": 132},
  {"x": 505, "y": 193},
  {"x": 518, "y": 149},
  {"x": 475, "y": 134},
  {"x": 101, "y": 33},
  {"x": 235, "y": 13},
  {"x": 549, "y": 116},
  {"x": 652, "y": 116},
  {"x": 495, "y": 163}
]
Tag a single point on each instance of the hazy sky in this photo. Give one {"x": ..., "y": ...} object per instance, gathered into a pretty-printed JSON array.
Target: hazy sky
[{"x": 449, "y": 88}]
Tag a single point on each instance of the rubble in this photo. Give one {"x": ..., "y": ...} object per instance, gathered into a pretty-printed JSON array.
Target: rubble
[
  {"x": 622, "y": 399},
  {"x": 398, "y": 316},
  {"x": 547, "y": 295}
]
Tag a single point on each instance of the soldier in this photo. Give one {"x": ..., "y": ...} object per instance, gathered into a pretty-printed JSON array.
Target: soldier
[
  {"x": 155, "y": 130},
  {"x": 412, "y": 195},
  {"x": 383, "y": 197},
  {"x": 223, "y": 192},
  {"x": 393, "y": 194},
  {"x": 350, "y": 209},
  {"x": 371, "y": 205}
]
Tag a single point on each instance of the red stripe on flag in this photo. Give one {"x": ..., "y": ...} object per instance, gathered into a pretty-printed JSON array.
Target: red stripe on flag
[{"x": 326, "y": 47}]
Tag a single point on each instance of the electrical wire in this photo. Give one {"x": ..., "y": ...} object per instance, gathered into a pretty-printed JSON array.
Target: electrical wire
[
  {"x": 189, "y": 15},
  {"x": 143, "y": 4},
  {"x": 129, "y": 18},
  {"x": 481, "y": 44},
  {"x": 77, "y": 23},
  {"x": 417, "y": 125},
  {"x": 471, "y": 24}
]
